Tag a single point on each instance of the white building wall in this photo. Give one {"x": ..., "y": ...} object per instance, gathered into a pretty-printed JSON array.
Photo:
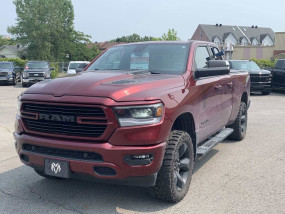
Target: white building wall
[
  {"x": 8, "y": 53},
  {"x": 230, "y": 41},
  {"x": 267, "y": 41}
]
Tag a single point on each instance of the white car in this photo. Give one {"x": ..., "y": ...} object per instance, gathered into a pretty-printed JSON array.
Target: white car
[{"x": 71, "y": 69}]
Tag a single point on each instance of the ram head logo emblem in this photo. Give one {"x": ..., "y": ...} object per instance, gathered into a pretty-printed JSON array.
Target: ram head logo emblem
[{"x": 55, "y": 167}]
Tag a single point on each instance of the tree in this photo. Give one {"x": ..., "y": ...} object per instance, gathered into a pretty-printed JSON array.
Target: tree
[
  {"x": 170, "y": 36},
  {"x": 4, "y": 41},
  {"x": 135, "y": 38},
  {"x": 46, "y": 29}
]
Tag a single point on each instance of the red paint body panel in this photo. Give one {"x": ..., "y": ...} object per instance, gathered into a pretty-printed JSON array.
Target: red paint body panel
[{"x": 178, "y": 93}]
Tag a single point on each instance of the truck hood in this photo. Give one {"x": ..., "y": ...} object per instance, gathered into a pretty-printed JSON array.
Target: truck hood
[
  {"x": 5, "y": 70},
  {"x": 261, "y": 71},
  {"x": 117, "y": 85}
]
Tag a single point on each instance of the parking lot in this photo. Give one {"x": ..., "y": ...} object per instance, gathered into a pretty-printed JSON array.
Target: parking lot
[{"x": 235, "y": 177}]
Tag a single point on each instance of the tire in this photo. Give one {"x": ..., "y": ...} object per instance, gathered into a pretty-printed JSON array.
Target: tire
[
  {"x": 24, "y": 84},
  {"x": 14, "y": 81},
  {"x": 240, "y": 124},
  {"x": 266, "y": 92},
  {"x": 175, "y": 174}
]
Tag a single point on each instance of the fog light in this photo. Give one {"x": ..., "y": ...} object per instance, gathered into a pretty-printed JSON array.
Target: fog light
[
  {"x": 138, "y": 160},
  {"x": 140, "y": 157}
]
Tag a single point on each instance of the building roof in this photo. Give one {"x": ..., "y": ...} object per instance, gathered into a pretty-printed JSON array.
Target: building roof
[
  {"x": 222, "y": 31},
  {"x": 13, "y": 48}
]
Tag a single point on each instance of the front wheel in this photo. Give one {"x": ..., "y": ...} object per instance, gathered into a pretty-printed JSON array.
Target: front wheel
[
  {"x": 266, "y": 92},
  {"x": 240, "y": 124},
  {"x": 174, "y": 177}
]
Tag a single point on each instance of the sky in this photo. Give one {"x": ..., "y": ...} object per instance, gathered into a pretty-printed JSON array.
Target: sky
[{"x": 108, "y": 19}]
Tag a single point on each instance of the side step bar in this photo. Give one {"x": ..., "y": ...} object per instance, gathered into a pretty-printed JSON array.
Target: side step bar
[{"x": 208, "y": 145}]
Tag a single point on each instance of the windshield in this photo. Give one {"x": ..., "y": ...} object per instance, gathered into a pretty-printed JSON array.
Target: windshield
[
  {"x": 156, "y": 58},
  {"x": 74, "y": 65},
  {"x": 244, "y": 65},
  {"x": 37, "y": 65},
  {"x": 6, "y": 66}
]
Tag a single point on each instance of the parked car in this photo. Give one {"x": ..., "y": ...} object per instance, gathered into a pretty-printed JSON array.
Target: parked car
[
  {"x": 278, "y": 74},
  {"x": 141, "y": 114},
  {"x": 35, "y": 71},
  {"x": 81, "y": 67},
  {"x": 260, "y": 79},
  {"x": 71, "y": 69},
  {"x": 9, "y": 73}
]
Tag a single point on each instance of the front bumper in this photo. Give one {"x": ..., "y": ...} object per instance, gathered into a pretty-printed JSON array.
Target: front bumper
[
  {"x": 113, "y": 157},
  {"x": 34, "y": 79},
  {"x": 260, "y": 86},
  {"x": 6, "y": 79}
]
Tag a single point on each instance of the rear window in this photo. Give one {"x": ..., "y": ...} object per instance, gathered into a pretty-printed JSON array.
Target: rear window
[
  {"x": 37, "y": 65},
  {"x": 157, "y": 58},
  {"x": 244, "y": 65},
  {"x": 6, "y": 65},
  {"x": 280, "y": 64}
]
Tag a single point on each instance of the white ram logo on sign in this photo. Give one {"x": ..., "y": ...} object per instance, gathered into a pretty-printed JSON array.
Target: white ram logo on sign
[{"x": 55, "y": 168}]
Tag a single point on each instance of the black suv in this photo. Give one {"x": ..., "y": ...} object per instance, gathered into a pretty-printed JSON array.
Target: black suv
[
  {"x": 260, "y": 78},
  {"x": 35, "y": 71},
  {"x": 9, "y": 73}
]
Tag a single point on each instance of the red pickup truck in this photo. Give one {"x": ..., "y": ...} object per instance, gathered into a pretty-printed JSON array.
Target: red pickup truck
[{"x": 140, "y": 114}]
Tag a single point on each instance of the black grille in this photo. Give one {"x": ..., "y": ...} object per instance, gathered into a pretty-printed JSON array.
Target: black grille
[
  {"x": 63, "y": 153},
  {"x": 66, "y": 110},
  {"x": 36, "y": 74},
  {"x": 260, "y": 77},
  {"x": 65, "y": 128},
  {"x": 3, "y": 74}
]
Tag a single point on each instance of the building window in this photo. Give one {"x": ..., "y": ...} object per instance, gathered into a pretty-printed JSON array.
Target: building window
[
  {"x": 201, "y": 34},
  {"x": 254, "y": 42}
]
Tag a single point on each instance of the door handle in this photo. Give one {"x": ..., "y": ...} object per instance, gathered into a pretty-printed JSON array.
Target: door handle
[
  {"x": 230, "y": 84},
  {"x": 218, "y": 87}
]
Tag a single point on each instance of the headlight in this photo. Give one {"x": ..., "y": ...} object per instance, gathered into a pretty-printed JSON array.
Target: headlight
[
  {"x": 19, "y": 105},
  {"x": 25, "y": 74},
  {"x": 139, "y": 115}
]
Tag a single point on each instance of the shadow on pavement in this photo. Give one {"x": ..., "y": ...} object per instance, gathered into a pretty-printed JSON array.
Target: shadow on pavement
[{"x": 23, "y": 189}]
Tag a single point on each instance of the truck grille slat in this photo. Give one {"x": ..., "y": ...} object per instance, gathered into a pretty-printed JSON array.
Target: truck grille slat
[
  {"x": 40, "y": 108},
  {"x": 63, "y": 153},
  {"x": 59, "y": 129},
  {"x": 65, "y": 128},
  {"x": 260, "y": 77}
]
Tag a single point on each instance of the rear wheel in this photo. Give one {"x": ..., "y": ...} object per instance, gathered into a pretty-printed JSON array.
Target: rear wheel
[
  {"x": 240, "y": 124},
  {"x": 174, "y": 177}
]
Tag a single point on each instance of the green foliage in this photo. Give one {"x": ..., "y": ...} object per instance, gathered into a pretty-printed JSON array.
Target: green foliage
[
  {"x": 264, "y": 63},
  {"x": 55, "y": 72},
  {"x": 81, "y": 52},
  {"x": 46, "y": 28},
  {"x": 4, "y": 41},
  {"x": 135, "y": 38},
  {"x": 18, "y": 62},
  {"x": 171, "y": 35}
]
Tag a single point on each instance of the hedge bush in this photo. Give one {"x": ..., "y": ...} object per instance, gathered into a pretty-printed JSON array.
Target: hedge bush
[
  {"x": 264, "y": 63},
  {"x": 18, "y": 62}
]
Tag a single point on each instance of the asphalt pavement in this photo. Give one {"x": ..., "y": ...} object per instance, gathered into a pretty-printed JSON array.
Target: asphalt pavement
[{"x": 235, "y": 177}]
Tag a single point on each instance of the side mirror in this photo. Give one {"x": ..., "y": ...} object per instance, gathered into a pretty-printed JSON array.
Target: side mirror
[
  {"x": 215, "y": 68},
  {"x": 51, "y": 69},
  {"x": 65, "y": 69}
]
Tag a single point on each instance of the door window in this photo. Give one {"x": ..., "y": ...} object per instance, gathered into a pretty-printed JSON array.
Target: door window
[{"x": 201, "y": 57}]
